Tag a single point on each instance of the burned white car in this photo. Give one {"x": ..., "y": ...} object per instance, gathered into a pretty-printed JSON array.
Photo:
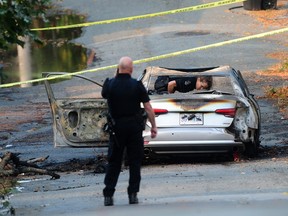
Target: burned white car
[{"x": 221, "y": 120}]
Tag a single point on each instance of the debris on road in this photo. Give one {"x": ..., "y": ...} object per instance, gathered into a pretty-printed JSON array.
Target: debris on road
[{"x": 11, "y": 165}]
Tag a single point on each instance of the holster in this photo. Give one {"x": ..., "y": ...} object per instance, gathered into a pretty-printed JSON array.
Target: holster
[{"x": 110, "y": 128}]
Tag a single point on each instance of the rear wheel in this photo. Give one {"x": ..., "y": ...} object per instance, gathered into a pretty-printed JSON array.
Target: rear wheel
[{"x": 252, "y": 148}]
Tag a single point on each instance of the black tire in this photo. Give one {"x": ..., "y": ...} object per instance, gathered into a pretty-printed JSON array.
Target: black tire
[
  {"x": 269, "y": 4},
  {"x": 252, "y": 148}
]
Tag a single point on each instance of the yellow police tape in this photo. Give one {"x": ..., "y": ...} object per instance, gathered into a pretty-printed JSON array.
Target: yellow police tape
[
  {"x": 169, "y": 55},
  {"x": 180, "y": 10}
]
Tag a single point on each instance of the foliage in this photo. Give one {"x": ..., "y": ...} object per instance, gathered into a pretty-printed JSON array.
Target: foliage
[
  {"x": 284, "y": 67},
  {"x": 6, "y": 184},
  {"x": 16, "y": 17},
  {"x": 277, "y": 92},
  {"x": 281, "y": 95}
]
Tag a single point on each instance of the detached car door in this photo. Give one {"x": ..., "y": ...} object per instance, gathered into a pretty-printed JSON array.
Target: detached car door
[{"x": 78, "y": 111}]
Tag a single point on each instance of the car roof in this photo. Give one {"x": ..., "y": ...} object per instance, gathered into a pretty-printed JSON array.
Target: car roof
[{"x": 215, "y": 71}]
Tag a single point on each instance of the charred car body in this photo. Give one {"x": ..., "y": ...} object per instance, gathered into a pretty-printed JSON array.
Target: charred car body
[{"x": 223, "y": 119}]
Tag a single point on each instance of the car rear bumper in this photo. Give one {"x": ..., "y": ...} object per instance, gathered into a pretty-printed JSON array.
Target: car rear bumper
[
  {"x": 192, "y": 141},
  {"x": 166, "y": 149}
]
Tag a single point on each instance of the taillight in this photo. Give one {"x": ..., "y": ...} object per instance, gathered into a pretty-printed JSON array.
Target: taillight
[
  {"x": 146, "y": 142},
  {"x": 160, "y": 111},
  {"x": 230, "y": 112}
]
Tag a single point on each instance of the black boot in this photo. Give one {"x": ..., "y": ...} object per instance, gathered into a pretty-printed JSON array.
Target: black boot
[
  {"x": 133, "y": 198},
  {"x": 108, "y": 201}
]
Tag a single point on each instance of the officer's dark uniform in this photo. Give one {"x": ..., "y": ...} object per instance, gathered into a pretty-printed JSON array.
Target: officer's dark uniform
[
  {"x": 124, "y": 95},
  {"x": 186, "y": 84}
]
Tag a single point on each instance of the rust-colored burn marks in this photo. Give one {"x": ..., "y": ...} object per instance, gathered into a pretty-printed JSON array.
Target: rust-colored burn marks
[
  {"x": 83, "y": 125},
  {"x": 199, "y": 104}
]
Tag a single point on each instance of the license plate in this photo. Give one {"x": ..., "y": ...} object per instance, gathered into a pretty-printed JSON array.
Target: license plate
[{"x": 191, "y": 118}]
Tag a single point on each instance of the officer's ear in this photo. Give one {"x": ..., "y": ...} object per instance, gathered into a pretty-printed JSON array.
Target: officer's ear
[{"x": 117, "y": 71}]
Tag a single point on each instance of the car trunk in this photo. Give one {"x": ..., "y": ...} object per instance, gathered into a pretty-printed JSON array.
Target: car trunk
[{"x": 188, "y": 110}]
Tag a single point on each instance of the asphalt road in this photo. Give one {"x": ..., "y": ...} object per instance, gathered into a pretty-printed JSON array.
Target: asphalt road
[
  {"x": 248, "y": 188},
  {"x": 256, "y": 187}
]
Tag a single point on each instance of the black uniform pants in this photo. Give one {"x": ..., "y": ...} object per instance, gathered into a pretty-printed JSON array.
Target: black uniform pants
[{"x": 128, "y": 134}]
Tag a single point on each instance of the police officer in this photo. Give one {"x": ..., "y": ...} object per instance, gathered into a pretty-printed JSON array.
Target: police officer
[{"x": 124, "y": 95}]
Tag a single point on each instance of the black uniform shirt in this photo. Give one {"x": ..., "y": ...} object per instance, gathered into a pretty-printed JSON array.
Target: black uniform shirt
[
  {"x": 186, "y": 84},
  {"x": 124, "y": 95}
]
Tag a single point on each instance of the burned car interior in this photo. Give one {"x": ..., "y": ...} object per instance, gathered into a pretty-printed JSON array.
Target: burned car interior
[{"x": 221, "y": 84}]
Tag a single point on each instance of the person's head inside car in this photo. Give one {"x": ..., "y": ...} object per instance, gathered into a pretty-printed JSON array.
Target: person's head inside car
[{"x": 203, "y": 82}]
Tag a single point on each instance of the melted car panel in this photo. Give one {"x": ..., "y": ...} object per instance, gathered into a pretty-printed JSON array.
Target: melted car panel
[{"x": 78, "y": 122}]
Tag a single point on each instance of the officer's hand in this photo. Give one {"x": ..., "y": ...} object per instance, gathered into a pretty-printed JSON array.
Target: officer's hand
[{"x": 153, "y": 132}]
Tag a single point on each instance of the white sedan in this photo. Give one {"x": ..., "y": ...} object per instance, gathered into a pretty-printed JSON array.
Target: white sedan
[{"x": 223, "y": 119}]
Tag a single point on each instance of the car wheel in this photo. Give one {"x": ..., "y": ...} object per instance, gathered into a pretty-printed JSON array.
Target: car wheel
[{"x": 252, "y": 148}]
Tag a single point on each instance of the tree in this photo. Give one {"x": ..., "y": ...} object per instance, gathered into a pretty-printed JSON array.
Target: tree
[{"x": 16, "y": 18}]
